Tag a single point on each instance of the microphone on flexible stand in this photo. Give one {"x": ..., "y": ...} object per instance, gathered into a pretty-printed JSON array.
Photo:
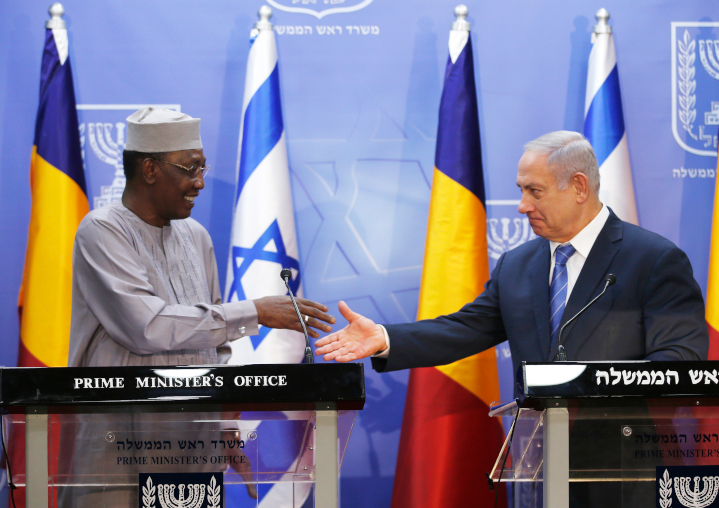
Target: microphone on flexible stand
[
  {"x": 609, "y": 280},
  {"x": 286, "y": 275}
]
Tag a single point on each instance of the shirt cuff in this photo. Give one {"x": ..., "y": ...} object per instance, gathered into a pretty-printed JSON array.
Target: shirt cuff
[
  {"x": 241, "y": 319},
  {"x": 385, "y": 353}
]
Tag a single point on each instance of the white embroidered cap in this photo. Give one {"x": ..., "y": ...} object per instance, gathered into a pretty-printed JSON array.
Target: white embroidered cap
[{"x": 153, "y": 130}]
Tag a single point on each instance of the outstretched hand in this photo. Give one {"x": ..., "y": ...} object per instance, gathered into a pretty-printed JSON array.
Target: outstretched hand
[
  {"x": 361, "y": 338},
  {"x": 278, "y": 312}
]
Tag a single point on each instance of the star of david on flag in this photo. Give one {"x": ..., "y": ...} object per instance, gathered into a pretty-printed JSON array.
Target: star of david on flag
[{"x": 268, "y": 247}]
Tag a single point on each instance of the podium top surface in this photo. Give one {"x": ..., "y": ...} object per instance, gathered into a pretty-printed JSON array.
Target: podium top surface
[
  {"x": 271, "y": 387},
  {"x": 614, "y": 380}
]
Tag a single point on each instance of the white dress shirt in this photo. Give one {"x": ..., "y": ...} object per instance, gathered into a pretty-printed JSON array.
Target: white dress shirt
[{"x": 582, "y": 243}]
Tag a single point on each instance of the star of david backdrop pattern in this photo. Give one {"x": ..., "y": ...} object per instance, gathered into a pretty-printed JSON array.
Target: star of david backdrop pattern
[{"x": 360, "y": 97}]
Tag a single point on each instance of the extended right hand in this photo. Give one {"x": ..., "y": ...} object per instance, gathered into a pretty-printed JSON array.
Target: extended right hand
[
  {"x": 278, "y": 312},
  {"x": 361, "y": 338}
]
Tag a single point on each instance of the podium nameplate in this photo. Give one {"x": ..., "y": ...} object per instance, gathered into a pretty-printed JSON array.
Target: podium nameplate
[{"x": 262, "y": 386}]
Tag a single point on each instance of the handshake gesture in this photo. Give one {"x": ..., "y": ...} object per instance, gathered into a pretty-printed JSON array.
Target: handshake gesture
[{"x": 361, "y": 338}]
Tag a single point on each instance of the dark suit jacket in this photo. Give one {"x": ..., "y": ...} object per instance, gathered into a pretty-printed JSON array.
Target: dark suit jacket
[{"x": 655, "y": 311}]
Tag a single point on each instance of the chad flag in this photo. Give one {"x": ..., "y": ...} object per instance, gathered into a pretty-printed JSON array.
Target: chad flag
[
  {"x": 59, "y": 202},
  {"x": 713, "y": 283},
  {"x": 448, "y": 441}
]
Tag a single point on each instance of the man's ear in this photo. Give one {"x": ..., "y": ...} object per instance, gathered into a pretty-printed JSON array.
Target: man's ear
[
  {"x": 580, "y": 184},
  {"x": 149, "y": 171}
]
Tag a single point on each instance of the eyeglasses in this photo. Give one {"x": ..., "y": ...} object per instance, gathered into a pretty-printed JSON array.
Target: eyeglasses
[{"x": 192, "y": 171}]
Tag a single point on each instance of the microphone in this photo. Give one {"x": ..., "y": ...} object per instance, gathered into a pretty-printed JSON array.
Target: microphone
[
  {"x": 609, "y": 280},
  {"x": 286, "y": 275}
]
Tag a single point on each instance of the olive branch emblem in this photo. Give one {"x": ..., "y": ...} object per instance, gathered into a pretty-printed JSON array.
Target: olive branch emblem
[
  {"x": 213, "y": 494},
  {"x": 665, "y": 490},
  {"x": 148, "y": 494},
  {"x": 687, "y": 83}
]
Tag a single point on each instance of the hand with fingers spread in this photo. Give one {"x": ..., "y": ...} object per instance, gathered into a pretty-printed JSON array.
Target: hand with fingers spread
[
  {"x": 361, "y": 338},
  {"x": 278, "y": 312}
]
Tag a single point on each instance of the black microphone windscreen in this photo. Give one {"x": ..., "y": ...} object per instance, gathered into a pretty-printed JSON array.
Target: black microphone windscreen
[
  {"x": 286, "y": 273},
  {"x": 611, "y": 279}
]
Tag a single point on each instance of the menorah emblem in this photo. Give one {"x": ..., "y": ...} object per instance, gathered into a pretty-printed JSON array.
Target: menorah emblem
[
  {"x": 190, "y": 495},
  {"x": 109, "y": 152},
  {"x": 696, "y": 498},
  {"x": 709, "y": 55},
  {"x": 501, "y": 242},
  {"x": 195, "y": 492}
]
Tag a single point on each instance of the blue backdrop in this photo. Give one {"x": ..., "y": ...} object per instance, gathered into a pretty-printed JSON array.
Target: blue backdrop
[{"x": 361, "y": 93}]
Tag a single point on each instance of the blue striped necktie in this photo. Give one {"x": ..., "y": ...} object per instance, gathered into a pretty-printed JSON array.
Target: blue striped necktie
[{"x": 558, "y": 288}]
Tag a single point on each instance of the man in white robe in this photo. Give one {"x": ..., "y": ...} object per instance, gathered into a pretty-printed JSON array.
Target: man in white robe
[
  {"x": 145, "y": 283},
  {"x": 146, "y": 292}
]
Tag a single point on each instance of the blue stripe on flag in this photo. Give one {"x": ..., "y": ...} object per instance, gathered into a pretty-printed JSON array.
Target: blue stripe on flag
[
  {"x": 604, "y": 125},
  {"x": 262, "y": 127},
  {"x": 56, "y": 128},
  {"x": 459, "y": 154}
]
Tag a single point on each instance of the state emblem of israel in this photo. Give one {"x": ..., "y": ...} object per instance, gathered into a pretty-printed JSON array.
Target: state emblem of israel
[
  {"x": 695, "y": 86},
  {"x": 319, "y": 8},
  {"x": 687, "y": 486},
  {"x": 181, "y": 490}
]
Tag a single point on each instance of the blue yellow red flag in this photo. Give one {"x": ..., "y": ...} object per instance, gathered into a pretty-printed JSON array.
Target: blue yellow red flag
[
  {"x": 448, "y": 406},
  {"x": 59, "y": 202},
  {"x": 712, "y": 310}
]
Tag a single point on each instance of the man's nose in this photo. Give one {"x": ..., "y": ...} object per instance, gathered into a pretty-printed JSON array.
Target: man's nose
[
  {"x": 199, "y": 182},
  {"x": 524, "y": 207}
]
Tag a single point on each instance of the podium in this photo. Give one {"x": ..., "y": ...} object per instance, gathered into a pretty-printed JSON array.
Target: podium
[
  {"x": 612, "y": 434},
  {"x": 120, "y": 436}
]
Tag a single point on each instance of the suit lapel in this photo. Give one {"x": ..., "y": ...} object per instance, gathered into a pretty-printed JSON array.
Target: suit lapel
[
  {"x": 591, "y": 279},
  {"x": 539, "y": 275}
]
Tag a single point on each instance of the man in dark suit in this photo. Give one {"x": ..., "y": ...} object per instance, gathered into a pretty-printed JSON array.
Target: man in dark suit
[{"x": 655, "y": 311}]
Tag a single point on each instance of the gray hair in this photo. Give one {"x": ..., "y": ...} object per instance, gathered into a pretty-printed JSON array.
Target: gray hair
[{"x": 569, "y": 153}]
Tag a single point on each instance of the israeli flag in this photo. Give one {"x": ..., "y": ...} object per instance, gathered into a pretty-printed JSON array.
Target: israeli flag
[
  {"x": 263, "y": 241},
  {"x": 604, "y": 124}
]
